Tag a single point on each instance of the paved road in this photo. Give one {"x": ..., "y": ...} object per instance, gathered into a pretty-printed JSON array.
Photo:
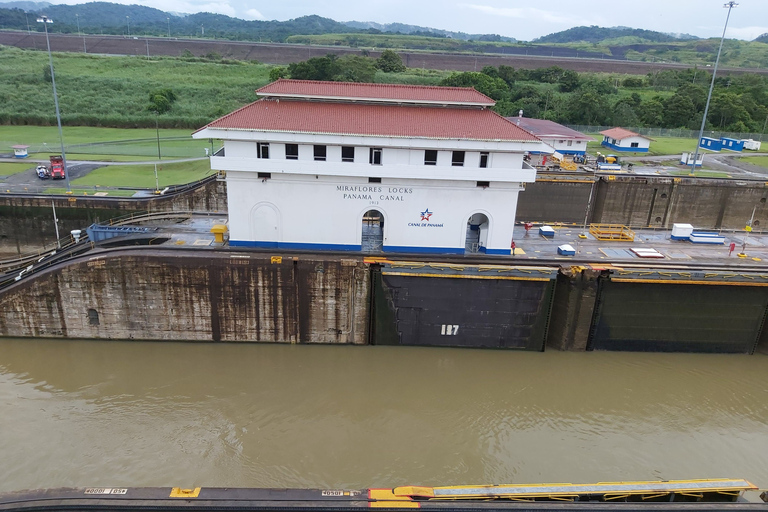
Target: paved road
[
  {"x": 77, "y": 169},
  {"x": 726, "y": 162}
]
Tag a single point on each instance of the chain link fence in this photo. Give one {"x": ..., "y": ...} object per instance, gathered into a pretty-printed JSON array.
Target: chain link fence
[
  {"x": 670, "y": 132},
  {"x": 170, "y": 147}
]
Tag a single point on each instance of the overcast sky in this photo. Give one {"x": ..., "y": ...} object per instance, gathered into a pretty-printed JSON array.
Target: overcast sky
[{"x": 521, "y": 19}]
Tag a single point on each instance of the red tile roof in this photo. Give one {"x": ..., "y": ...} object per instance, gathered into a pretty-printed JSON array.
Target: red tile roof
[
  {"x": 548, "y": 129},
  {"x": 270, "y": 115},
  {"x": 392, "y": 93},
  {"x": 621, "y": 133}
]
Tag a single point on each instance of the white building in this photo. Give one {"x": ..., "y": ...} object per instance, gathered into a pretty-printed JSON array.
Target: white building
[
  {"x": 564, "y": 140},
  {"x": 620, "y": 139},
  {"x": 350, "y": 166}
]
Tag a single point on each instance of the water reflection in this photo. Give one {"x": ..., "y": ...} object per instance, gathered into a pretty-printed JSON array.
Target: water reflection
[{"x": 77, "y": 413}]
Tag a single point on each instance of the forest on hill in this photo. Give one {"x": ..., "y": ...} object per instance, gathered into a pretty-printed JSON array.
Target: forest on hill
[
  {"x": 586, "y": 42},
  {"x": 595, "y": 34}
]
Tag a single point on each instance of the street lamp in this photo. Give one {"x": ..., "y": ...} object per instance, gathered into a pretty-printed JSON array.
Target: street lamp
[
  {"x": 45, "y": 20},
  {"x": 169, "y": 27},
  {"x": 128, "y": 24},
  {"x": 77, "y": 17},
  {"x": 729, "y": 5}
]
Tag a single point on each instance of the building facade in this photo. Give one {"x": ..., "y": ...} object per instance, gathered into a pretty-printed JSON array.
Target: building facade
[
  {"x": 562, "y": 139},
  {"x": 620, "y": 139},
  {"x": 371, "y": 167}
]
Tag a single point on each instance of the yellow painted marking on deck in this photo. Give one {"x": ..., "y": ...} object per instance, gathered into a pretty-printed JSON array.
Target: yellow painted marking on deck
[
  {"x": 415, "y": 490},
  {"x": 518, "y": 251},
  {"x": 464, "y": 276},
  {"x": 385, "y": 498},
  {"x": 202, "y": 241},
  {"x": 610, "y": 490},
  {"x": 178, "y": 492},
  {"x": 276, "y": 259},
  {"x": 376, "y": 260},
  {"x": 674, "y": 281}
]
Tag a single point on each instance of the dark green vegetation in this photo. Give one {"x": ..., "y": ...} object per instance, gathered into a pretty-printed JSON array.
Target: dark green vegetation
[
  {"x": 190, "y": 92},
  {"x": 667, "y": 99}
]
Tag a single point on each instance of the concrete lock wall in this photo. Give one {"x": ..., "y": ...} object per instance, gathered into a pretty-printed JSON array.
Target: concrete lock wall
[
  {"x": 645, "y": 201},
  {"x": 195, "y": 296},
  {"x": 203, "y": 295},
  {"x": 26, "y": 222}
]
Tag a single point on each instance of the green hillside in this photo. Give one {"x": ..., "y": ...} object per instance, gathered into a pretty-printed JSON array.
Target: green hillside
[{"x": 595, "y": 34}]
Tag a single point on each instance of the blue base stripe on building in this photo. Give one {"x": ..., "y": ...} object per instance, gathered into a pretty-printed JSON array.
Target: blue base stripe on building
[
  {"x": 423, "y": 250},
  {"x": 296, "y": 246},
  {"x": 627, "y": 150},
  {"x": 358, "y": 248}
]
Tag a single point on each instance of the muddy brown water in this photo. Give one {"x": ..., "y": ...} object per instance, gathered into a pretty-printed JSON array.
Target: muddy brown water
[{"x": 86, "y": 413}]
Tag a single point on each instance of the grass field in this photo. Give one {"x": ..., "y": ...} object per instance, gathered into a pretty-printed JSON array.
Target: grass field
[
  {"x": 700, "y": 173},
  {"x": 104, "y": 144},
  {"x": 143, "y": 176},
  {"x": 754, "y": 160},
  {"x": 115, "y": 90},
  {"x": 7, "y": 169},
  {"x": 659, "y": 146}
]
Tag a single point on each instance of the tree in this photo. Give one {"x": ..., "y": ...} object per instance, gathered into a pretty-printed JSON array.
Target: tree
[
  {"x": 651, "y": 112},
  {"x": 390, "y": 62},
  {"x": 678, "y": 111},
  {"x": 353, "y": 68},
  {"x": 495, "y": 88},
  {"x": 277, "y": 73},
  {"x": 624, "y": 114},
  {"x": 161, "y": 101},
  {"x": 588, "y": 106},
  {"x": 316, "y": 68}
]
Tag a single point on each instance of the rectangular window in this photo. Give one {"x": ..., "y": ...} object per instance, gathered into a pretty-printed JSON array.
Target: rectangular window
[
  {"x": 291, "y": 151},
  {"x": 263, "y": 150},
  {"x": 483, "y": 184},
  {"x": 458, "y": 159},
  {"x": 483, "y": 159},
  {"x": 265, "y": 175},
  {"x": 375, "y": 156},
  {"x": 635, "y": 144},
  {"x": 430, "y": 157},
  {"x": 320, "y": 153},
  {"x": 570, "y": 143},
  {"x": 347, "y": 154},
  {"x": 374, "y": 180}
]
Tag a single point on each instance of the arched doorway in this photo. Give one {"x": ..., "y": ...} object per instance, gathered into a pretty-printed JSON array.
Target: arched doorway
[
  {"x": 477, "y": 233},
  {"x": 264, "y": 225},
  {"x": 373, "y": 231}
]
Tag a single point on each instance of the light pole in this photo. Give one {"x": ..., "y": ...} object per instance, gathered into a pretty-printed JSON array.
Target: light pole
[
  {"x": 169, "y": 27},
  {"x": 45, "y": 20},
  {"x": 77, "y": 17},
  {"x": 157, "y": 132},
  {"x": 26, "y": 15},
  {"x": 128, "y": 24},
  {"x": 729, "y": 5}
]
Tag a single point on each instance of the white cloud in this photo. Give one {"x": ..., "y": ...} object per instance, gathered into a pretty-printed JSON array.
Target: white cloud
[
  {"x": 530, "y": 13},
  {"x": 748, "y": 33},
  {"x": 253, "y": 14}
]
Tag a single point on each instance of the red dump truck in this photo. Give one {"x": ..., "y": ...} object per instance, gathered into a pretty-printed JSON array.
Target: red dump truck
[{"x": 57, "y": 167}]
